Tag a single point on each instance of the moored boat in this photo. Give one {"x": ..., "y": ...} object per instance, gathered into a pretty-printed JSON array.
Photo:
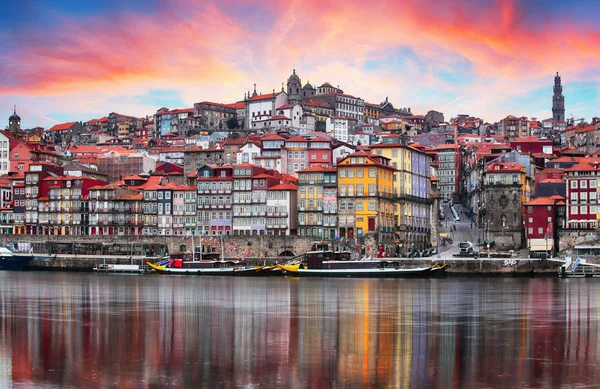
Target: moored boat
[
  {"x": 329, "y": 264},
  {"x": 207, "y": 267},
  {"x": 12, "y": 260}
]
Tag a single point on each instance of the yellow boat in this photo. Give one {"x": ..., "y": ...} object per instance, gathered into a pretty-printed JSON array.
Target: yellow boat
[{"x": 289, "y": 268}]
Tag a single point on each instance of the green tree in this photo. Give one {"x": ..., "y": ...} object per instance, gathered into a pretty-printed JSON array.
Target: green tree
[{"x": 232, "y": 123}]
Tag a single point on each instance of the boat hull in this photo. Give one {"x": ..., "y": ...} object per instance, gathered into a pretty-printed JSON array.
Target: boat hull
[
  {"x": 227, "y": 271},
  {"x": 366, "y": 273},
  {"x": 15, "y": 262}
]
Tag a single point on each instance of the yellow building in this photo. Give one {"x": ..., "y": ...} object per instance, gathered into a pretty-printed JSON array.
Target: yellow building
[
  {"x": 412, "y": 192},
  {"x": 365, "y": 195},
  {"x": 317, "y": 202}
]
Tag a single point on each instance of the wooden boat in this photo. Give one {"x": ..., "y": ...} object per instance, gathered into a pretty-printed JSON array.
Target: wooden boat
[
  {"x": 326, "y": 264},
  {"x": 208, "y": 267}
]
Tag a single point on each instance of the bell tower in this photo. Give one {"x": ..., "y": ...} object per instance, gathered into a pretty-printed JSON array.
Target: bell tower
[{"x": 558, "y": 101}]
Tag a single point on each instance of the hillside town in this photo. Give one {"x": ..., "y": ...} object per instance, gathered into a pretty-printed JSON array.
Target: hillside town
[{"x": 309, "y": 161}]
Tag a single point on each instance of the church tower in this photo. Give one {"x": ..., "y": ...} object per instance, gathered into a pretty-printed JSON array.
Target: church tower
[
  {"x": 558, "y": 101},
  {"x": 14, "y": 123},
  {"x": 294, "y": 88}
]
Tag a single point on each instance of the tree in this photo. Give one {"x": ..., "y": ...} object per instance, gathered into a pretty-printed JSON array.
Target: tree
[{"x": 232, "y": 123}]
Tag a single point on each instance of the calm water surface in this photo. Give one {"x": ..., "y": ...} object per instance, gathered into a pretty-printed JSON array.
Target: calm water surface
[{"x": 69, "y": 330}]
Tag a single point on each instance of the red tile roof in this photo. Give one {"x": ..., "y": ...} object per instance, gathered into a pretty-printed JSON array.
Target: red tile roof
[
  {"x": 317, "y": 169},
  {"x": 284, "y": 187},
  {"x": 544, "y": 200},
  {"x": 267, "y": 96},
  {"x": 504, "y": 167},
  {"x": 320, "y": 139},
  {"x": 272, "y": 137},
  {"x": 296, "y": 139},
  {"x": 286, "y": 106},
  {"x": 280, "y": 117},
  {"x": 61, "y": 127}
]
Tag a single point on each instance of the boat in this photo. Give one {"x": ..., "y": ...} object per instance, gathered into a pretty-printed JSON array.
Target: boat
[
  {"x": 11, "y": 259},
  {"x": 326, "y": 263},
  {"x": 207, "y": 267},
  {"x": 116, "y": 268}
]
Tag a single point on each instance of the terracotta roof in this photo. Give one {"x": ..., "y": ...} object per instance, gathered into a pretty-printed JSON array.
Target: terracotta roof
[
  {"x": 263, "y": 175},
  {"x": 550, "y": 170},
  {"x": 134, "y": 177},
  {"x": 267, "y": 96},
  {"x": 531, "y": 139},
  {"x": 282, "y": 117},
  {"x": 296, "y": 139},
  {"x": 284, "y": 187},
  {"x": 544, "y": 200},
  {"x": 235, "y": 141},
  {"x": 551, "y": 181},
  {"x": 504, "y": 167},
  {"x": 320, "y": 139},
  {"x": 61, "y": 127},
  {"x": 272, "y": 137},
  {"x": 584, "y": 167},
  {"x": 317, "y": 169}
]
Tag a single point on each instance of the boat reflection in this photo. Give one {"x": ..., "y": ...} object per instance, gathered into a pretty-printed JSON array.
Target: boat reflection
[{"x": 94, "y": 331}]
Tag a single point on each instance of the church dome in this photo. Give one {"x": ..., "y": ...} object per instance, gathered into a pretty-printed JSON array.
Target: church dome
[
  {"x": 294, "y": 78},
  {"x": 307, "y": 86},
  {"x": 14, "y": 116}
]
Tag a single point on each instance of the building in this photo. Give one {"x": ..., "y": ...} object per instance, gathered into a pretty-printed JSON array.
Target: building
[
  {"x": 341, "y": 127},
  {"x": 215, "y": 191},
  {"x": 250, "y": 185},
  {"x": 14, "y": 124},
  {"x": 175, "y": 121},
  {"x": 116, "y": 165},
  {"x": 502, "y": 205},
  {"x": 35, "y": 187},
  {"x": 214, "y": 116},
  {"x": 343, "y": 105},
  {"x": 558, "y": 101},
  {"x": 248, "y": 152},
  {"x": 122, "y": 125},
  {"x": 65, "y": 133},
  {"x": 282, "y": 205},
  {"x": 4, "y": 152},
  {"x": 543, "y": 217},
  {"x": 533, "y": 145},
  {"x": 294, "y": 89},
  {"x": 412, "y": 192},
  {"x": 582, "y": 197},
  {"x": 63, "y": 209},
  {"x": 448, "y": 169},
  {"x": 513, "y": 127},
  {"x": 263, "y": 107},
  {"x": 317, "y": 202},
  {"x": 365, "y": 195},
  {"x": 196, "y": 157},
  {"x": 116, "y": 210}
]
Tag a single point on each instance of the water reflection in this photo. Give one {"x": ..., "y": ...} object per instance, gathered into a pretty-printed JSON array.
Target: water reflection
[{"x": 97, "y": 331}]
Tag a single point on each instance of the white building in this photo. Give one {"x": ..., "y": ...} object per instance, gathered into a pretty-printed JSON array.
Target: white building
[
  {"x": 339, "y": 127},
  {"x": 4, "y": 151},
  {"x": 248, "y": 153},
  {"x": 282, "y": 214},
  {"x": 263, "y": 107},
  {"x": 360, "y": 139},
  {"x": 294, "y": 112},
  {"x": 340, "y": 152}
]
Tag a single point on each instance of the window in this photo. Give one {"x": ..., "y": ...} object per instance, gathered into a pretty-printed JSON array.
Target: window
[
  {"x": 360, "y": 190},
  {"x": 372, "y": 206},
  {"x": 574, "y": 210},
  {"x": 593, "y": 183},
  {"x": 540, "y": 230},
  {"x": 342, "y": 173},
  {"x": 574, "y": 184},
  {"x": 583, "y": 184},
  {"x": 530, "y": 230},
  {"x": 168, "y": 195},
  {"x": 350, "y": 173},
  {"x": 583, "y": 195},
  {"x": 372, "y": 172},
  {"x": 530, "y": 220},
  {"x": 359, "y": 206},
  {"x": 160, "y": 195},
  {"x": 583, "y": 210},
  {"x": 529, "y": 209},
  {"x": 371, "y": 189}
]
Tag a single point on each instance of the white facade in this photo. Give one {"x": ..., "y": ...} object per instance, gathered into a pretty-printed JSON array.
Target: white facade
[
  {"x": 340, "y": 153},
  {"x": 294, "y": 112},
  {"x": 338, "y": 127},
  {"x": 360, "y": 138},
  {"x": 247, "y": 153},
  {"x": 4, "y": 151},
  {"x": 264, "y": 106}
]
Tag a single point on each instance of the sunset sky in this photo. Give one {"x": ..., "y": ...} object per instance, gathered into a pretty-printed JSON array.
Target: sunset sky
[{"x": 71, "y": 60}]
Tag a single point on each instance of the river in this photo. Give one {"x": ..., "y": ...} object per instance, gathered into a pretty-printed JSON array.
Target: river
[{"x": 82, "y": 330}]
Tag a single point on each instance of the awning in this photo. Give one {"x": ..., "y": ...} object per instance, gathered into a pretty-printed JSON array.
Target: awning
[{"x": 541, "y": 244}]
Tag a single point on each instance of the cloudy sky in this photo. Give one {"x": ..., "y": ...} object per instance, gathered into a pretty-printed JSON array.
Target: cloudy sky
[{"x": 67, "y": 60}]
